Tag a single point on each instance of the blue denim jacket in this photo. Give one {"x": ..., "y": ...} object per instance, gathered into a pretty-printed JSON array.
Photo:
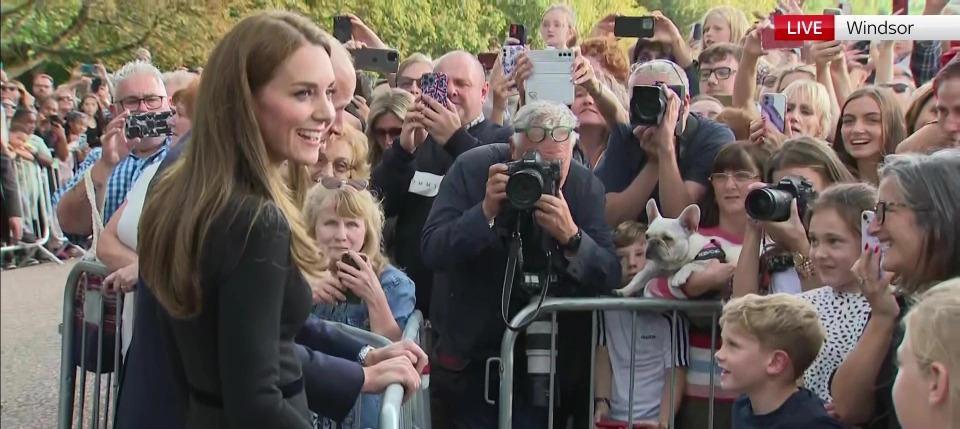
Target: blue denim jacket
[{"x": 401, "y": 297}]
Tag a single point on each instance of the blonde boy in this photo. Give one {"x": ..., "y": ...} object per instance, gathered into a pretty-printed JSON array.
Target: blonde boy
[
  {"x": 768, "y": 342},
  {"x": 631, "y": 242}
]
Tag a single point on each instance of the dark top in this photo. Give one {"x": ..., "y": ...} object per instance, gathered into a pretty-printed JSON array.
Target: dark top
[
  {"x": 884, "y": 415},
  {"x": 240, "y": 348},
  {"x": 702, "y": 138},
  {"x": 470, "y": 259},
  {"x": 148, "y": 398},
  {"x": 9, "y": 187},
  {"x": 411, "y": 204},
  {"x": 802, "y": 410}
]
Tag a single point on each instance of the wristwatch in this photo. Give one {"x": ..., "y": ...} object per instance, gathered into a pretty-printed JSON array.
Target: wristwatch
[
  {"x": 362, "y": 356},
  {"x": 574, "y": 243}
]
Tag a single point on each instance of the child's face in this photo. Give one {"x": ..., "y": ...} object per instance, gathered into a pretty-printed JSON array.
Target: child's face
[
  {"x": 554, "y": 29},
  {"x": 18, "y": 139},
  {"x": 632, "y": 259},
  {"x": 742, "y": 359}
]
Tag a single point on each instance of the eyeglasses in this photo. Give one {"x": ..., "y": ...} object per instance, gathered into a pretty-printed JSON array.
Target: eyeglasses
[
  {"x": 408, "y": 82},
  {"x": 539, "y": 134},
  {"x": 9, "y": 88},
  {"x": 387, "y": 132},
  {"x": 329, "y": 182},
  {"x": 739, "y": 177},
  {"x": 899, "y": 88},
  {"x": 884, "y": 206},
  {"x": 769, "y": 81},
  {"x": 723, "y": 73},
  {"x": 150, "y": 101}
]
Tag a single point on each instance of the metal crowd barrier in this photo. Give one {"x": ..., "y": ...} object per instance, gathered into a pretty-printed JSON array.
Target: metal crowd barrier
[
  {"x": 104, "y": 382},
  {"x": 550, "y": 308},
  {"x": 416, "y": 412},
  {"x": 41, "y": 217}
]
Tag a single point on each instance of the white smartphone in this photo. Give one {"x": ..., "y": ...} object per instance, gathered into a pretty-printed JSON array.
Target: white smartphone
[
  {"x": 552, "y": 78},
  {"x": 867, "y": 239}
]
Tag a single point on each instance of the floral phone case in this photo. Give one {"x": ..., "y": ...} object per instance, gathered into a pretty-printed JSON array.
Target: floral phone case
[
  {"x": 510, "y": 54},
  {"x": 434, "y": 85}
]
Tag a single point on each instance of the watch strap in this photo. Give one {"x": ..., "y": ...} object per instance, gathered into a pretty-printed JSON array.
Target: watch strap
[{"x": 362, "y": 356}]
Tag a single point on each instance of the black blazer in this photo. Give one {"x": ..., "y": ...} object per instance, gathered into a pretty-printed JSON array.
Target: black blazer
[
  {"x": 10, "y": 189},
  {"x": 149, "y": 399}
]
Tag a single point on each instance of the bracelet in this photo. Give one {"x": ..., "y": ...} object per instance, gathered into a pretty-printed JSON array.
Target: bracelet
[
  {"x": 803, "y": 266},
  {"x": 604, "y": 400}
]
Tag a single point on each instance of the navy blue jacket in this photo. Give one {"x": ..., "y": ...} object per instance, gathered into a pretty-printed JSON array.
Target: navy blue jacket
[{"x": 149, "y": 397}]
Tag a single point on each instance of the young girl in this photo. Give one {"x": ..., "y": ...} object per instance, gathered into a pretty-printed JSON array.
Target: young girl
[
  {"x": 558, "y": 27},
  {"x": 347, "y": 224},
  {"x": 835, "y": 244},
  {"x": 724, "y": 24},
  {"x": 871, "y": 127}
]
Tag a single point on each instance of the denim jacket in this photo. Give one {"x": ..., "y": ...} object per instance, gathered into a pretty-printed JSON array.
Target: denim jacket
[{"x": 401, "y": 297}]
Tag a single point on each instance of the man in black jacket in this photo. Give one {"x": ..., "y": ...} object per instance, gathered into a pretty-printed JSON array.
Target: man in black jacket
[
  {"x": 434, "y": 134},
  {"x": 12, "y": 227},
  {"x": 462, "y": 243}
]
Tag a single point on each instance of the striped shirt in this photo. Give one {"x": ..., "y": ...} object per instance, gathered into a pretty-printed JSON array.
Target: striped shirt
[{"x": 121, "y": 179}]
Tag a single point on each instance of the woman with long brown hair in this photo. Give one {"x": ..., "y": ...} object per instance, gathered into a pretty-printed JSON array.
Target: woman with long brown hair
[
  {"x": 871, "y": 126},
  {"x": 229, "y": 267}
]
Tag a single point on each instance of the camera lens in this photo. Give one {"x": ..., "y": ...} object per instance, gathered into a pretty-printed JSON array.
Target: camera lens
[
  {"x": 392, "y": 56},
  {"x": 769, "y": 204},
  {"x": 524, "y": 188}
]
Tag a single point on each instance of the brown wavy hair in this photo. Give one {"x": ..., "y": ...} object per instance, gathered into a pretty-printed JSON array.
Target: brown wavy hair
[
  {"x": 891, "y": 118},
  {"x": 611, "y": 57}
]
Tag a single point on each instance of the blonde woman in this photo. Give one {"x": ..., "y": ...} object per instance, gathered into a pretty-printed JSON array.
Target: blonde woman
[
  {"x": 807, "y": 115},
  {"x": 558, "y": 27},
  {"x": 385, "y": 120},
  {"x": 724, "y": 24},
  {"x": 926, "y": 393},
  {"x": 346, "y": 222},
  {"x": 345, "y": 157}
]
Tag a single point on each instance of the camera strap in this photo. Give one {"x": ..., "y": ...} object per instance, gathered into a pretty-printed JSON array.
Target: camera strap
[{"x": 514, "y": 263}]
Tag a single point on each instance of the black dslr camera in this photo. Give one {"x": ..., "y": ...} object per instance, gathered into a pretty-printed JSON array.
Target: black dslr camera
[
  {"x": 648, "y": 104},
  {"x": 530, "y": 177},
  {"x": 772, "y": 203}
]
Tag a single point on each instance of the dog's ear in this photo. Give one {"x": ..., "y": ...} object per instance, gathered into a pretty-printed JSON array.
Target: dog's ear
[
  {"x": 690, "y": 218},
  {"x": 652, "y": 211}
]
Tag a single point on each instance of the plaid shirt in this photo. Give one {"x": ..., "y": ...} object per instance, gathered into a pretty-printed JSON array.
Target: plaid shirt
[
  {"x": 121, "y": 179},
  {"x": 925, "y": 60}
]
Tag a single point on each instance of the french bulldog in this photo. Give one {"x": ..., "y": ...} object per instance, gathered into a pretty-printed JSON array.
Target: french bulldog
[{"x": 672, "y": 249}]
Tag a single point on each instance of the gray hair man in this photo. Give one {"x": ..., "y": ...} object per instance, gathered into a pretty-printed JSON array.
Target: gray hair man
[{"x": 462, "y": 243}]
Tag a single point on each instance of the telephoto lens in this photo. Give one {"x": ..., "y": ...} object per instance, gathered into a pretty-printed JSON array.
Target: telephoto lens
[
  {"x": 540, "y": 358},
  {"x": 647, "y": 105},
  {"x": 524, "y": 188},
  {"x": 769, "y": 204}
]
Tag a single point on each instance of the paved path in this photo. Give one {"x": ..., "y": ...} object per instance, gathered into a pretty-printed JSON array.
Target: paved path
[{"x": 30, "y": 311}]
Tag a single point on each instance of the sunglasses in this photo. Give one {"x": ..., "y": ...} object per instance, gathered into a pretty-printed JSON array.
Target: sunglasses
[
  {"x": 899, "y": 88},
  {"x": 329, "y": 182}
]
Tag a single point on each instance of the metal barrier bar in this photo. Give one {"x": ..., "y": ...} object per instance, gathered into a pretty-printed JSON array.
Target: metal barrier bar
[
  {"x": 68, "y": 364},
  {"x": 416, "y": 412},
  {"x": 42, "y": 215},
  {"x": 555, "y": 305}
]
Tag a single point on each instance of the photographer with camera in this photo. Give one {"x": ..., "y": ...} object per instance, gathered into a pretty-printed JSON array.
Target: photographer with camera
[
  {"x": 664, "y": 146},
  {"x": 546, "y": 212}
]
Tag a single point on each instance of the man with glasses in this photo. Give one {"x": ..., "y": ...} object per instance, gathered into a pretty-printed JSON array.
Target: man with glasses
[
  {"x": 718, "y": 68},
  {"x": 116, "y": 165},
  {"x": 670, "y": 162}
]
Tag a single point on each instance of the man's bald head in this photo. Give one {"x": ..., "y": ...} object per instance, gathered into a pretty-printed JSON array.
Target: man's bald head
[
  {"x": 461, "y": 60},
  {"x": 345, "y": 83},
  {"x": 466, "y": 84}
]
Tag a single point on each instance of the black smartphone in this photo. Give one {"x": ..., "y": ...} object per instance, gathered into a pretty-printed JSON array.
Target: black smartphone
[
  {"x": 519, "y": 32},
  {"x": 633, "y": 26},
  {"x": 55, "y": 119},
  {"x": 148, "y": 124},
  {"x": 903, "y": 5},
  {"x": 864, "y": 47},
  {"x": 697, "y": 31},
  {"x": 352, "y": 298},
  {"x": 342, "y": 28},
  {"x": 376, "y": 60},
  {"x": 88, "y": 69}
]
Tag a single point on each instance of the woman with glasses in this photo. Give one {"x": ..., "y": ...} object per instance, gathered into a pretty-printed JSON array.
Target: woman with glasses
[
  {"x": 916, "y": 224},
  {"x": 385, "y": 121},
  {"x": 345, "y": 157},
  {"x": 365, "y": 290}
]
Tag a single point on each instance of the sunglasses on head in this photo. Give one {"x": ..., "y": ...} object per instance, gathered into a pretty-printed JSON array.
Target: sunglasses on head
[
  {"x": 899, "y": 88},
  {"x": 330, "y": 182}
]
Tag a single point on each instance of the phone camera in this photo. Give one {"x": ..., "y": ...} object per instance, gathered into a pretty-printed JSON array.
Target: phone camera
[
  {"x": 647, "y": 24},
  {"x": 393, "y": 56}
]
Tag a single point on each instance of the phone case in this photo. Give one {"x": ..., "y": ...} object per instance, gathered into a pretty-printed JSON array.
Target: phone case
[
  {"x": 376, "y": 60},
  {"x": 552, "y": 78},
  {"x": 342, "y": 28},
  {"x": 867, "y": 239},
  {"x": 510, "y": 54},
  {"x": 775, "y": 107},
  {"x": 434, "y": 85},
  {"x": 769, "y": 43},
  {"x": 149, "y": 124},
  {"x": 518, "y": 32}
]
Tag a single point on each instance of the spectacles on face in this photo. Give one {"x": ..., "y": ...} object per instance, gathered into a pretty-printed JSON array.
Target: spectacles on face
[
  {"x": 539, "y": 134},
  {"x": 883, "y": 207},
  {"x": 899, "y": 88},
  {"x": 387, "y": 132},
  {"x": 11, "y": 88},
  {"x": 723, "y": 73},
  {"x": 329, "y": 182},
  {"x": 769, "y": 81},
  {"x": 738, "y": 176},
  {"x": 151, "y": 102},
  {"x": 404, "y": 82}
]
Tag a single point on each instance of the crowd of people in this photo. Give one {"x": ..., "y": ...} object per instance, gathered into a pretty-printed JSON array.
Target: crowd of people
[{"x": 293, "y": 191}]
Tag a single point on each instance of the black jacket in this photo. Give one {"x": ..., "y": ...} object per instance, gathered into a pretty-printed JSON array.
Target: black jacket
[
  {"x": 469, "y": 256},
  {"x": 408, "y": 183}
]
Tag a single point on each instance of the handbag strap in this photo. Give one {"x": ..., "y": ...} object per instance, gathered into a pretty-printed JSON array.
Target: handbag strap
[{"x": 95, "y": 212}]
